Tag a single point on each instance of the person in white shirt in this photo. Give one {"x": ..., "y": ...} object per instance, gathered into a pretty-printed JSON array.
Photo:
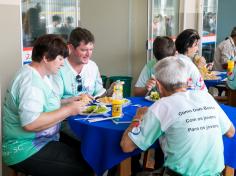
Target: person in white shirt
[
  {"x": 225, "y": 50},
  {"x": 187, "y": 45},
  {"x": 188, "y": 123}
]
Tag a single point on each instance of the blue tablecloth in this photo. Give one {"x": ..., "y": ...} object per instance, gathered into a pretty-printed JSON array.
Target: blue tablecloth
[
  {"x": 100, "y": 141},
  {"x": 230, "y": 143},
  {"x": 213, "y": 83}
]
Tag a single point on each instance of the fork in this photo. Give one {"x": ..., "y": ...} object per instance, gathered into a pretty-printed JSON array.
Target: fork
[
  {"x": 137, "y": 105},
  {"x": 95, "y": 109}
]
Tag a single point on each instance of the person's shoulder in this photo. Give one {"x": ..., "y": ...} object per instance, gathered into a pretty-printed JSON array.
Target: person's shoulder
[
  {"x": 26, "y": 77},
  {"x": 92, "y": 63},
  {"x": 26, "y": 73},
  {"x": 66, "y": 67},
  {"x": 151, "y": 62},
  {"x": 225, "y": 43}
]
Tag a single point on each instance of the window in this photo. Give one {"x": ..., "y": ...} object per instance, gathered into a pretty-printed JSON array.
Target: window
[{"x": 47, "y": 17}]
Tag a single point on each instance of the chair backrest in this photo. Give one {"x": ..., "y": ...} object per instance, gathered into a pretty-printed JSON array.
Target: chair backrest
[{"x": 127, "y": 85}]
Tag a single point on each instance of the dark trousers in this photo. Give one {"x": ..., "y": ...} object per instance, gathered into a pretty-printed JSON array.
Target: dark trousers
[{"x": 56, "y": 158}]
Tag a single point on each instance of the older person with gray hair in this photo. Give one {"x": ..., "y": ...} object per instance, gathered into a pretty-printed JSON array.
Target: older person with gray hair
[{"x": 188, "y": 123}]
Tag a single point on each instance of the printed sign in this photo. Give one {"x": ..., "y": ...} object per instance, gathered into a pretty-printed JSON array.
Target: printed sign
[{"x": 26, "y": 55}]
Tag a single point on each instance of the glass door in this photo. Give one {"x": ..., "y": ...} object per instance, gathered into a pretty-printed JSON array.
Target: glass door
[
  {"x": 46, "y": 17},
  {"x": 163, "y": 20},
  {"x": 209, "y": 23}
]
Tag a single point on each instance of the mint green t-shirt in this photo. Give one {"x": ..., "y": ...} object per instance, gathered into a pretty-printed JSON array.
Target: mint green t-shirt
[
  {"x": 189, "y": 126},
  {"x": 90, "y": 76},
  {"x": 146, "y": 73},
  {"x": 28, "y": 96},
  {"x": 231, "y": 80}
]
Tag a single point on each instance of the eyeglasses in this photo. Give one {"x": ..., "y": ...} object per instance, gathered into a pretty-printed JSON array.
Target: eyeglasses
[{"x": 79, "y": 81}]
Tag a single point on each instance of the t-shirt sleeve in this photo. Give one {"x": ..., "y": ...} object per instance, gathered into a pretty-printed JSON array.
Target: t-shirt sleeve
[
  {"x": 99, "y": 89},
  {"x": 224, "y": 121},
  {"x": 147, "y": 132},
  {"x": 31, "y": 104},
  {"x": 143, "y": 77},
  {"x": 231, "y": 81}
]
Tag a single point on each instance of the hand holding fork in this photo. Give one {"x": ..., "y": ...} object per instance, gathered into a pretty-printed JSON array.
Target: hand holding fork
[{"x": 150, "y": 84}]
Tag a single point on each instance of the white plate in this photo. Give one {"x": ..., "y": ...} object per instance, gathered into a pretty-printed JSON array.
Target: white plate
[
  {"x": 149, "y": 99},
  {"x": 218, "y": 73},
  {"x": 95, "y": 113},
  {"x": 127, "y": 102}
]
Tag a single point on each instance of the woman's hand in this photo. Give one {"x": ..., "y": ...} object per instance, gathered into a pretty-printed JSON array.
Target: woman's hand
[{"x": 76, "y": 107}]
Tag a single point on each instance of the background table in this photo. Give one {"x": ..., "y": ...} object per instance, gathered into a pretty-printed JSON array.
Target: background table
[
  {"x": 213, "y": 83},
  {"x": 230, "y": 143},
  {"x": 100, "y": 141}
]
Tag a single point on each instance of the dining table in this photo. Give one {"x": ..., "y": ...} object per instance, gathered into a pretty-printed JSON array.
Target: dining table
[
  {"x": 100, "y": 141},
  {"x": 222, "y": 76}
]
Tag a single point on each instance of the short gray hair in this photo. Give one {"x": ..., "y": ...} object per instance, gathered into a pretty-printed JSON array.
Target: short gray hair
[{"x": 172, "y": 73}]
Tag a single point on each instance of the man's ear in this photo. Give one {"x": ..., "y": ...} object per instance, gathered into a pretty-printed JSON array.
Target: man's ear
[
  {"x": 45, "y": 59},
  {"x": 158, "y": 84},
  {"x": 71, "y": 48},
  {"x": 160, "y": 87}
]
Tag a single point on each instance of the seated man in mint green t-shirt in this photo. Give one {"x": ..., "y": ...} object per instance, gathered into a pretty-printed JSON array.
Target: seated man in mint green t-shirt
[
  {"x": 80, "y": 75},
  {"x": 162, "y": 47},
  {"x": 79, "y": 78},
  {"x": 188, "y": 123}
]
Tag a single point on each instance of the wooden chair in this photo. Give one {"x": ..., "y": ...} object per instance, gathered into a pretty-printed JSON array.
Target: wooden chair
[
  {"x": 148, "y": 159},
  {"x": 14, "y": 173},
  {"x": 228, "y": 171}
]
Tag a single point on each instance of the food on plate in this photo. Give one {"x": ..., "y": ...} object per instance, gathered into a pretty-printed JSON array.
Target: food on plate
[
  {"x": 98, "y": 109},
  {"x": 154, "y": 95},
  {"x": 206, "y": 74},
  {"x": 106, "y": 100},
  {"x": 85, "y": 98}
]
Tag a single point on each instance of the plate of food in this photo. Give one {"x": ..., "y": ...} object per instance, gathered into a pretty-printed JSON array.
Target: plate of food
[
  {"x": 209, "y": 75},
  {"x": 108, "y": 101},
  {"x": 154, "y": 96},
  {"x": 217, "y": 73},
  {"x": 95, "y": 110}
]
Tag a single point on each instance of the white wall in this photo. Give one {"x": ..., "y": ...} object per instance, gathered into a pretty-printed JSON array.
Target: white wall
[
  {"x": 10, "y": 55},
  {"x": 120, "y": 29},
  {"x": 108, "y": 20}
]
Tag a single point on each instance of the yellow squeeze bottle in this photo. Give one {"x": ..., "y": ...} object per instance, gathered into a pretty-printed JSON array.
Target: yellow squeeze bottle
[
  {"x": 117, "y": 99},
  {"x": 117, "y": 108},
  {"x": 230, "y": 65}
]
